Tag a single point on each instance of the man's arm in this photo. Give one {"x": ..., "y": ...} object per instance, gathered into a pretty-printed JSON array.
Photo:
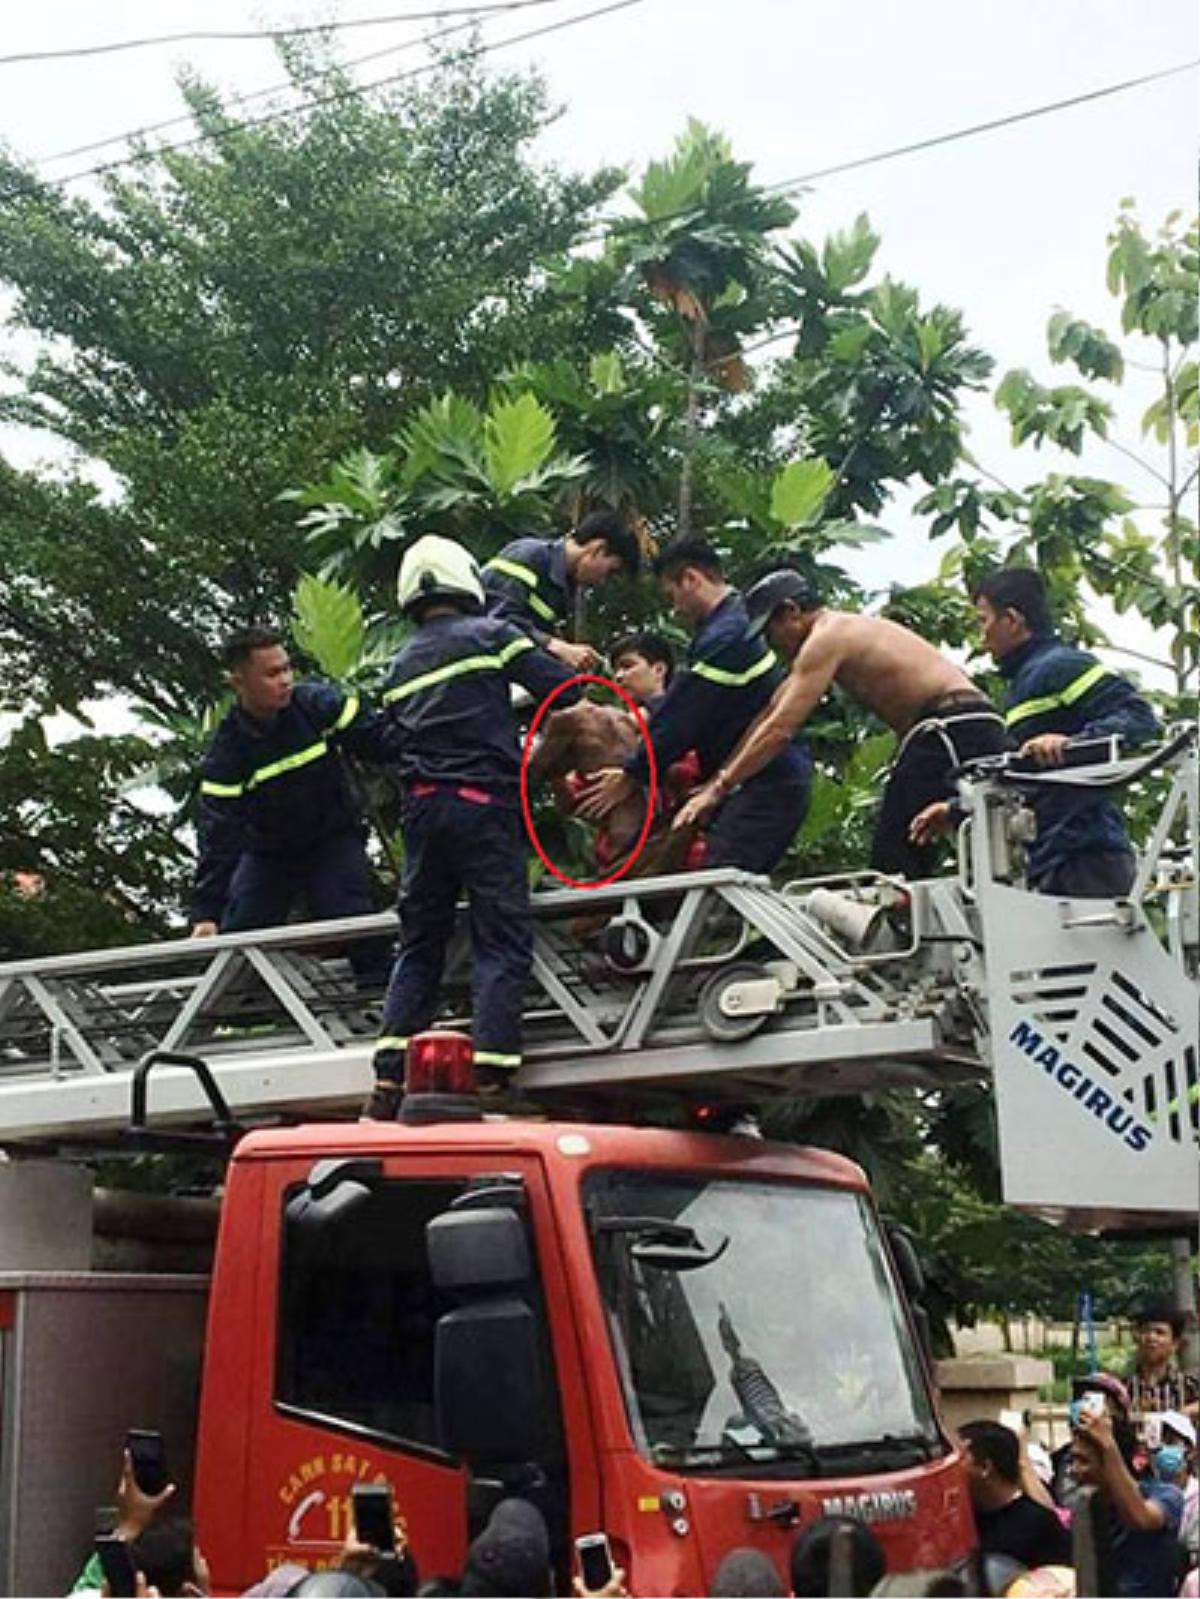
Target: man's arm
[
  {"x": 220, "y": 831},
  {"x": 794, "y": 700},
  {"x": 1105, "y": 703},
  {"x": 537, "y": 670},
  {"x": 359, "y": 730},
  {"x": 1115, "y": 706},
  {"x": 812, "y": 672},
  {"x": 1143, "y": 1515}
]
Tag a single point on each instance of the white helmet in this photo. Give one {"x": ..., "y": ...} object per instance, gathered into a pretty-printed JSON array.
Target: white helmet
[{"x": 439, "y": 569}]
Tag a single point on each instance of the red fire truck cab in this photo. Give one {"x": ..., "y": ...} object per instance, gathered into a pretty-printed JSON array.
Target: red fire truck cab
[{"x": 690, "y": 1342}]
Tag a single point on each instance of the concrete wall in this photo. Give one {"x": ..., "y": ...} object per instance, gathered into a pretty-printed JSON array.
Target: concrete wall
[
  {"x": 981, "y": 1386},
  {"x": 45, "y": 1216}
]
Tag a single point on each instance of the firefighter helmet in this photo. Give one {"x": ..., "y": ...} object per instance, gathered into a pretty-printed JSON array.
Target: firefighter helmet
[{"x": 439, "y": 569}]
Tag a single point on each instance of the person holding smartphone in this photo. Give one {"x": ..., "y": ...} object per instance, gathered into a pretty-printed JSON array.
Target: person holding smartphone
[
  {"x": 133, "y": 1512},
  {"x": 1143, "y": 1514},
  {"x": 599, "y": 1577}
]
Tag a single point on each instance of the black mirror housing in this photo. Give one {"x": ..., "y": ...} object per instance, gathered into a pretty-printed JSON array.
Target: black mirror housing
[
  {"x": 908, "y": 1262},
  {"x": 478, "y": 1251},
  {"x": 487, "y": 1382}
]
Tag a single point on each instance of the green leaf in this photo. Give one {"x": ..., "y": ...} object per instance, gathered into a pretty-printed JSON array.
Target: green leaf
[
  {"x": 929, "y": 343},
  {"x": 847, "y": 257},
  {"x": 848, "y": 343},
  {"x": 607, "y": 373},
  {"x": 519, "y": 435},
  {"x": 799, "y": 491},
  {"x": 328, "y": 625}
]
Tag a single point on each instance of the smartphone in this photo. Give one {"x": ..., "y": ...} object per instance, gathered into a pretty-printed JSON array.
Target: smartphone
[
  {"x": 1152, "y": 1434},
  {"x": 1092, "y": 1403},
  {"x": 116, "y": 1562},
  {"x": 149, "y": 1460},
  {"x": 107, "y": 1517},
  {"x": 372, "y": 1506},
  {"x": 595, "y": 1560}
]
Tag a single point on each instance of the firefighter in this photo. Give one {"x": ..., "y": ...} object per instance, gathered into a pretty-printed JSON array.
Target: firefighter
[
  {"x": 279, "y": 821},
  {"x": 938, "y": 715},
  {"x": 730, "y": 677},
  {"x": 532, "y": 582},
  {"x": 1054, "y": 693},
  {"x": 451, "y": 720}
]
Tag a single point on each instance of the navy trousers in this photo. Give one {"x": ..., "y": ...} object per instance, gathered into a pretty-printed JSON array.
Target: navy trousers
[
  {"x": 455, "y": 845},
  {"x": 331, "y": 880},
  {"x": 754, "y": 827}
]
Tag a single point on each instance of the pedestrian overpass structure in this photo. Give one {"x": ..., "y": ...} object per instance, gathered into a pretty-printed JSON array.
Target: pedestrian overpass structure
[{"x": 713, "y": 986}]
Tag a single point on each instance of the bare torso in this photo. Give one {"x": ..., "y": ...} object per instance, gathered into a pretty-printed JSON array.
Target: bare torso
[{"x": 884, "y": 666}]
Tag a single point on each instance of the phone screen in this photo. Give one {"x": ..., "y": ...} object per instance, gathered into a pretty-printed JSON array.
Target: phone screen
[
  {"x": 595, "y": 1560},
  {"x": 149, "y": 1460},
  {"x": 372, "y": 1503},
  {"x": 117, "y": 1565}
]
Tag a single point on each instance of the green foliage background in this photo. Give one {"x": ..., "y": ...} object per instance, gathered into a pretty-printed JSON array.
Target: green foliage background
[{"x": 277, "y": 356}]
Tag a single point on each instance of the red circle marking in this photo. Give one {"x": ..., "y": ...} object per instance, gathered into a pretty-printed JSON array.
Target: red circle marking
[{"x": 639, "y": 846}]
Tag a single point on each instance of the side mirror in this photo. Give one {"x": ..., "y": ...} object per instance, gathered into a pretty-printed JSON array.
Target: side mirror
[
  {"x": 474, "y": 1251},
  {"x": 334, "y": 1190},
  {"x": 487, "y": 1365},
  {"x": 908, "y": 1262},
  {"x": 487, "y": 1382},
  {"x": 912, "y": 1278}
]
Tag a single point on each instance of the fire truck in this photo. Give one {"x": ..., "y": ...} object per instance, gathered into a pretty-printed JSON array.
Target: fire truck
[{"x": 693, "y": 1339}]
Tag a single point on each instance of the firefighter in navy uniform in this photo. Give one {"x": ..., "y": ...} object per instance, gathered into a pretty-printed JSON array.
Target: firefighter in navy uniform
[
  {"x": 532, "y": 582},
  {"x": 279, "y": 821},
  {"x": 1055, "y": 693},
  {"x": 729, "y": 678},
  {"x": 451, "y": 721}
]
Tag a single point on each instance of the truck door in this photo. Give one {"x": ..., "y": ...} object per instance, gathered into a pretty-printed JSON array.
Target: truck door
[{"x": 344, "y": 1384}]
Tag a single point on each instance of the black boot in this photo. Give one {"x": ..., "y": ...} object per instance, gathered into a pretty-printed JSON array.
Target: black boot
[{"x": 383, "y": 1102}]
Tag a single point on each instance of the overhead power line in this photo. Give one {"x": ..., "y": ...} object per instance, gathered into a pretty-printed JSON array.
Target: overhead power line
[
  {"x": 982, "y": 127},
  {"x": 210, "y": 36},
  {"x": 276, "y": 88},
  {"x": 793, "y": 185},
  {"x": 334, "y": 99}
]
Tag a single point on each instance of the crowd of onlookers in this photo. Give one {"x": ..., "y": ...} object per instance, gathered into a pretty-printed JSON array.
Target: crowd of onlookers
[{"x": 1117, "y": 1506}]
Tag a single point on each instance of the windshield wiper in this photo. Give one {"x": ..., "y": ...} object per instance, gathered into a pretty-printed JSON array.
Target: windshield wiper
[
  {"x": 888, "y": 1446},
  {"x": 732, "y": 1453}
]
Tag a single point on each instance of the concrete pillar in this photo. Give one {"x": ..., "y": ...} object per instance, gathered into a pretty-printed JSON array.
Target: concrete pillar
[
  {"x": 978, "y": 1388},
  {"x": 45, "y": 1216}
]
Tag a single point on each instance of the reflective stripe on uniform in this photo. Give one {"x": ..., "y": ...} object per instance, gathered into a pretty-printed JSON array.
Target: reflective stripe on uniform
[
  {"x": 347, "y": 714},
  {"x": 469, "y": 664},
  {"x": 288, "y": 763},
  {"x": 490, "y": 1057},
  {"x": 717, "y": 674},
  {"x": 391, "y": 1042},
  {"x": 1074, "y": 690},
  {"x": 526, "y": 575}
]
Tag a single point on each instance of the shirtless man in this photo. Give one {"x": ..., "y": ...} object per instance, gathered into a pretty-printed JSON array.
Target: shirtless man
[{"x": 939, "y": 717}]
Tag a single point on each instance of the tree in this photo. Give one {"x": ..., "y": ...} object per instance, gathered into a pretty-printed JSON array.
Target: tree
[
  {"x": 227, "y": 319},
  {"x": 699, "y": 248},
  {"x": 1091, "y": 535},
  {"x": 214, "y": 328}
]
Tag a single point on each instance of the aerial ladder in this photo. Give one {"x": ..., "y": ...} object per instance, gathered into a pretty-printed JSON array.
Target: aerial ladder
[{"x": 714, "y": 986}]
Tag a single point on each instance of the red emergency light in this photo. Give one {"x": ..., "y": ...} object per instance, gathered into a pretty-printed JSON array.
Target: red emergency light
[{"x": 439, "y": 1079}]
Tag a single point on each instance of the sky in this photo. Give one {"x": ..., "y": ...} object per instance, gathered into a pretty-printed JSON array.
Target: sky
[{"x": 1008, "y": 226}]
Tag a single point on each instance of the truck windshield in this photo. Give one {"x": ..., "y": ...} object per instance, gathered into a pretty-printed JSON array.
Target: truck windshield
[{"x": 754, "y": 1323}]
